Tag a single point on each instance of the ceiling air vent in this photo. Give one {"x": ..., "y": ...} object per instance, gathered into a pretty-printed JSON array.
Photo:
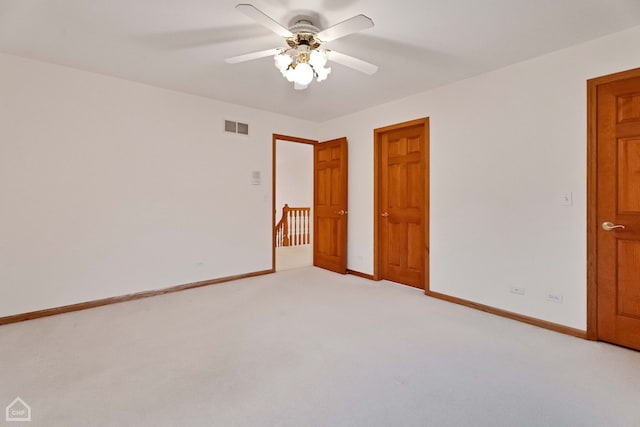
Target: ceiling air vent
[{"x": 236, "y": 127}]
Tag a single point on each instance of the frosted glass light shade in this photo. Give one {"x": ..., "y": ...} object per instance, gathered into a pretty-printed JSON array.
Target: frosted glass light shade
[
  {"x": 318, "y": 59},
  {"x": 302, "y": 65},
  {"x": 303, "y": 74},
  {"x": 290, "y": 74},
  {"x": 322, "y": 73},
  {"x": 282, "y": 61}
]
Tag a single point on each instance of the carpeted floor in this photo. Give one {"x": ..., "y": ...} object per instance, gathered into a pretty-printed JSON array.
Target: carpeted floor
[{"x": 310, "y": 348}]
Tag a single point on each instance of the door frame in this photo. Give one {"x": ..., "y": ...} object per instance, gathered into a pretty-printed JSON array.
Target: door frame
[
  {"x": 377, "y": 223},
  {"x": 592, "y": 194},
  {"x": 277, "y": 137}
]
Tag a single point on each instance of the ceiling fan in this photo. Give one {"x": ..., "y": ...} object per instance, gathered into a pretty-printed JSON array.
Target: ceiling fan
[{"x": 303, "y": 59}]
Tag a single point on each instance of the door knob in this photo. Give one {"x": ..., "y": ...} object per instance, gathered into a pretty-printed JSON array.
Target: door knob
[
  {"x": 385, "y": 214},
  {"x": 342, "y": 212},
  {"x": 608, "y": 226}
]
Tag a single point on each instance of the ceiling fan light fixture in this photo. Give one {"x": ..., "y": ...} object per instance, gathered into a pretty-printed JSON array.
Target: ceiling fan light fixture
[
  {"x": 303, "y": 60},
  {"x": 301, "y": 65},
  {"x": 318, "y": 58},
  {"x": 282, "y": 61},
  {"x": 322, "y": 73},
  {"x": 303, "y": 73},
  {"x": 290, "y": 74}
]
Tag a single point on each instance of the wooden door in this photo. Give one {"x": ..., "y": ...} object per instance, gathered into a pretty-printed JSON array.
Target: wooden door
[
  {"x": 401, "y": 212},
  {"x": 330, "y": 205},
  {"x": 618, "y": 211}
]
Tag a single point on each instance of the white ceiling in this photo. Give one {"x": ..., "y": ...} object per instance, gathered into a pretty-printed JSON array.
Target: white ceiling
[{"x": 418, "y": 44}]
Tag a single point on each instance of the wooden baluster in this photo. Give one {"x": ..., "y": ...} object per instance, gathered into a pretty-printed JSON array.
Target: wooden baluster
[
  {"x": 304, "y": 229},
  {"x": 308, "y": 225},
  {"x": 299, "y": 226},
  {"x": 307, "y": 233},
  {"x": 304, "y": 226},
  {"x": 289, "y": 230},
  {"x": 309, "y": 228},
  {"x": 295, "y": 227}
]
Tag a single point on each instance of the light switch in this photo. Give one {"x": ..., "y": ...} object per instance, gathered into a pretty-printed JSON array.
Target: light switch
[
  {"x": 566, "y": 199},
  {"x": 256, "y": 178}
]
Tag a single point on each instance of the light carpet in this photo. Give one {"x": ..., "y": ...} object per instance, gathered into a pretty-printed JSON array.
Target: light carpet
[{"x": 310, "y": 348}]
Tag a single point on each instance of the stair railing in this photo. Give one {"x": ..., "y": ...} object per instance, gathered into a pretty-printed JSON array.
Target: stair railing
[{"x": 293, "y": 229}]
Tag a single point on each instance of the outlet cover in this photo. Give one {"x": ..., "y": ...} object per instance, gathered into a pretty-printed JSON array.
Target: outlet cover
[
  {"x": 557, "y": 298},
  {"x": 517, "y": 290}
]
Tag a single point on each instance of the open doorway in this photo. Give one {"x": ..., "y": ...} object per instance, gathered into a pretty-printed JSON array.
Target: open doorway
[{"x": 292, "y": 202}]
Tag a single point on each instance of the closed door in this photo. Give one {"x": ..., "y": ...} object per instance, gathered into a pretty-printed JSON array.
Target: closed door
[
  {"x": 402, "y": 203},
  {"x": 330, "y": 205},
  {"x": 618, "y": 211}
]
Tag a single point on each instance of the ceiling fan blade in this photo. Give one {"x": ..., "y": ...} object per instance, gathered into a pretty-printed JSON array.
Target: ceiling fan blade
[
  {"x": 263, "y": 19},
  {"x": 252, "y": 56},
  {"x": 344, "y": 28},
  {"x": 351, "y": 62}
]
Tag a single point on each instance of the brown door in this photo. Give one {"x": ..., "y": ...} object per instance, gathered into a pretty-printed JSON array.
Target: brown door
[
  {"x": 401, "y": 153},
  {"x": 330, "y": 205},
  {"x": 618, "y": 211}
]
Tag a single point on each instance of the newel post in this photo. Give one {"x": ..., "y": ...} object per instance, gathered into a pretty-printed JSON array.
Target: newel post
[{"x": 285, "y": 225}]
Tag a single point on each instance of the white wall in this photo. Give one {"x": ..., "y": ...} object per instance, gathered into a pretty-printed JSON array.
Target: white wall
[
  {"x": 109, "y": 187},
  {"x": 504, "y": 147}
]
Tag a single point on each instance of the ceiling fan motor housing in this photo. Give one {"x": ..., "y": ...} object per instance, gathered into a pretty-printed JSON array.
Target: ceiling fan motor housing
[
  {"x": 304, "y": 34},
  {"x": 304, "y": 39}
]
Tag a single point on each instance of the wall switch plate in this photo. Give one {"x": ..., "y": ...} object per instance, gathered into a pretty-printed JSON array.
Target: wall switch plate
[
  {"x": 557, "y": 298},
  {"x": 516, "y": 290},
  {"x": 256, "y": 178},
  {"x": 566, "y": 199}
]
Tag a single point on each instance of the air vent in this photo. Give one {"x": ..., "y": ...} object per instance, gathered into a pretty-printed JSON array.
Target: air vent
[
  {"x": 229, "y": 126},
  {"x": 236, "y": 127},
  {"x": 243, "y": 128}
]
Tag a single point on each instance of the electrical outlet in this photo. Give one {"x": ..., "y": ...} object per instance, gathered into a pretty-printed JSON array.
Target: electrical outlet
[
  {"x": 516, "y": 290},
  {"x": 554, "y": 298}
]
